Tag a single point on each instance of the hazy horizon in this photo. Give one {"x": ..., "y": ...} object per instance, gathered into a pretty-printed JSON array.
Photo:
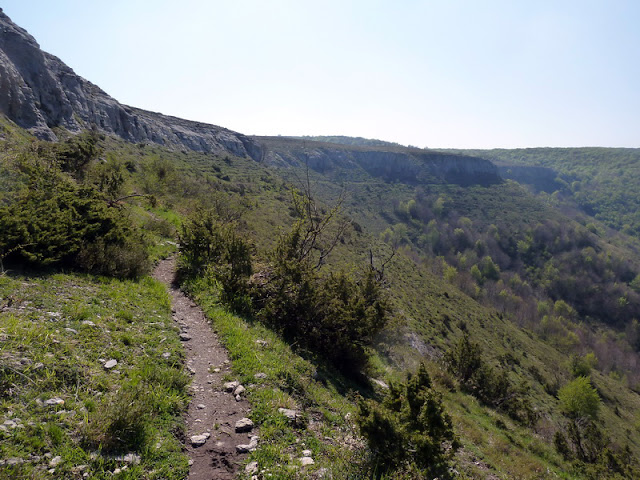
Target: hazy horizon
[{"x": 430, "y": 74}]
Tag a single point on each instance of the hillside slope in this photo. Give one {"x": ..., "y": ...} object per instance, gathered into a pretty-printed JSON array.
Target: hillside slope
[
  {"x": 603, "y": 182},
  {"x": 509, "y": 301}
]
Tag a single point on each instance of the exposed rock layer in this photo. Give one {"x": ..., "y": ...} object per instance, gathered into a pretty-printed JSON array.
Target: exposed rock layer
[
  {"x": 39, "y": 92},
  {"x": 408, "y": 165}
]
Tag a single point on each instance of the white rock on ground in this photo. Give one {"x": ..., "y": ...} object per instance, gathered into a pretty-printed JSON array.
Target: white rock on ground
[
  {"x": 253, "y": 444},
  {"x": 239, "y": 390},
  {"x": 109, "y": 364},
  {"x": 290, "y": 414},
  {"x": 244, "y": 425},
  {"x": 198, "y": 440},
  {"x": 251, "y": 468},
  {"x": 230, "y": 386},
  {"x": 304, "y": 461}
]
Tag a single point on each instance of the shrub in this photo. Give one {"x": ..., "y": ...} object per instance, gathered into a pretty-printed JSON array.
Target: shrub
[
  {"x": 122, "y": 422},
  {"x": 488, "y": 384},
  {"x": 409, "y": 429},
  {"x": 207, "y": 245},
  {"x": 77, "y": 152},
  {"x": 53, "y": 221},
  {"x": 335, "y": 316},
  {"x": 578, "y": 399}
]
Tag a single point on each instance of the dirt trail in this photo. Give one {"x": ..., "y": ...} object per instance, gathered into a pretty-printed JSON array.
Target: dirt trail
[{"x": 211, "y": 410}]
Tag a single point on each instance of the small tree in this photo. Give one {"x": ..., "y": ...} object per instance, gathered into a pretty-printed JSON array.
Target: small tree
[
  {"x": 464, "y": 359},
  {"x": 53, "y": 221},
  {"x": 578, "y": 399},
  {"x": 336, "y": 316},
  {"x": 209, "y": 246},
  {"x": 488, "y": 384},
  {"x": 410, "y": 428},
  {"x": 580, "y": 402}
]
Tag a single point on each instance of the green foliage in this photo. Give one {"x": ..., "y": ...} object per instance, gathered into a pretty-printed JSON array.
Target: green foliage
[
  {"x": 579, "y": 399},
  {"x": 464, "y": 359},
  {"x": 489, "y": 269},
  {"x": 109, "y": 177},
  {"x": 122, "y": 422},
  {"x": 595, "y": 456},
  {"x": 336, "y": 317},
  {"x": 53, "y": 221},
  {"x": 582, "y": 366},
  {"x": 75, "y": 153},
  {"x": 490, "y": 385},
  {"x": 604, "y": 181},
  {"x": 409, "y": 428},
  {"x": 207, "y": 245}
]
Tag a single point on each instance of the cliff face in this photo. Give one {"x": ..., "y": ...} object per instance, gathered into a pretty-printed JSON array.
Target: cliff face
[
  {"x": 389, "y": 163},
  {"x": 39, "y": 92}
]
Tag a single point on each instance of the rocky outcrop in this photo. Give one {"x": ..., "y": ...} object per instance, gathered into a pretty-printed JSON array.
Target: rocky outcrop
[
  {"x": 542, "y": 179},
  {"x": 39, "y": 92},
  {"x": 408, "y": 165}
]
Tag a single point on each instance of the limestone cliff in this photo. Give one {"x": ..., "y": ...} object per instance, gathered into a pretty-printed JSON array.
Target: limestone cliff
[
  {"x": 409, "y": 165},
  {"x": 39, "y": 92}
]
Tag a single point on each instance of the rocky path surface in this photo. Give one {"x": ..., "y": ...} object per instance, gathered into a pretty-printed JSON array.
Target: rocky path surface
[{"x": 216, "y": 419}]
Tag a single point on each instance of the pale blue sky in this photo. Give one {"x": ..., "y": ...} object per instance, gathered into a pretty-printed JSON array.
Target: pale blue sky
[{"x": 443, "y": 73}]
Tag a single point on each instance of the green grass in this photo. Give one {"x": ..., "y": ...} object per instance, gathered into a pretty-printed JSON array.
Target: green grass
[
  {"x": 323, "y": 399},
  {"x": 55, "y": 334},
  {"x": 430, "y": 315}
]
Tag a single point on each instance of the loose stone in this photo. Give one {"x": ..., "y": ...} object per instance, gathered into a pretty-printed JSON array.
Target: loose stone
[
  {"x": 230, "y": 386},
  {"x": 304, "y": 461},
  {"x": 244, "y": 425},
  {"x": 253, "y": 444},
  {"x": 290, "y": 414},
  {"x": 198, "y": 440},
  {"x": 239, "y": 390},
  {"x": 110, "y": 364}
]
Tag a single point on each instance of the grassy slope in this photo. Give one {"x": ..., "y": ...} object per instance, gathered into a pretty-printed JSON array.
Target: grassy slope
[
  {"x": 421, "y": 301},
  {"x": 56, "y": 331},
  {"x": 493, "y": 443}
]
